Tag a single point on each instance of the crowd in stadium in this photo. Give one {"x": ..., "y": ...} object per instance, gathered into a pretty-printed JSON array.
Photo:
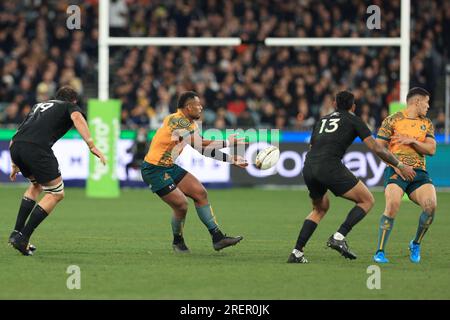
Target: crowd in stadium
[{"x": 245, "y": 86}]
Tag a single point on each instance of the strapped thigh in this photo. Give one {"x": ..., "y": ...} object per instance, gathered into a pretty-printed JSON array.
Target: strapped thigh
[{"x": 56, "y": 189}]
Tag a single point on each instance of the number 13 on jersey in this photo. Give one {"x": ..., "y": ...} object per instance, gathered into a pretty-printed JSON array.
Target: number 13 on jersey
[{"x": 329, "y": 127}]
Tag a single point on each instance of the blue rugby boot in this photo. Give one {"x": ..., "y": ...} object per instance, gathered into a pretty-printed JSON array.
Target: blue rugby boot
[
  {"x": 380, "y": 258},
  {"x": 414, "y": 254}
]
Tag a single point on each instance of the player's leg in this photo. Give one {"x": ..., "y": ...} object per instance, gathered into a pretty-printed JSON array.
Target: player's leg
[
  {"x": 320, "y": 208},
  {"x": 26, "y": 206},
  {"x": 343, "y": 183},
  {"x": 193, "y": 188},
  {"x": 54, "y": 193},
  {"x": 179, "y": 204},
  {"x": 363, "y": 200},
  {"x": 393, "y": 194},
  {"x": 425, "y": 196},
  {"x": 41, "y": 164},
  {"x": 352, "y": 189},
  {"x": 320, "y": 204},
  {"x": 19, "y": 156},
  {"x": 163, "y": 184},
  {"x": 54, "y": 190}
]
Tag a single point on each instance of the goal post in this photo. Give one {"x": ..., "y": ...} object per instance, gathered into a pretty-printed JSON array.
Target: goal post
[{"x": 105, "y": 41}]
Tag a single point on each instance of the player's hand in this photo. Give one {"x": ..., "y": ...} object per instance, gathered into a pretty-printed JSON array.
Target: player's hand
[
  {"x": 14, "y": 171},
  {"x": 406, "y": 172},
  {"x": 236, "y": 141},
  {"x": 239, "y": 161},
  {"x": 98, "y": 154},
  {"x": 401, "y": 139}
]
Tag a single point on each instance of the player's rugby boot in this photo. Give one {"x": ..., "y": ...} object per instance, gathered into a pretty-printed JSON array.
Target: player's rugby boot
[
  {"x": 30, "y": 246},
  {"x": 294, "y": 259},
  {"x": 414, "y": 252},
  {"x": 20, "y": 242},
  {"x": 226, "y": 242},
  {"x": 379, "y": 257},
  {"x": 180, "y": 247},
  {"x": 341, "y": 246}
]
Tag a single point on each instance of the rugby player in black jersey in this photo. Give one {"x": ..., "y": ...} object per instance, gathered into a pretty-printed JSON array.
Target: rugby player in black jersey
[
  {"x": 324, "y": 170},
  {"x": 31, "y": 154}
]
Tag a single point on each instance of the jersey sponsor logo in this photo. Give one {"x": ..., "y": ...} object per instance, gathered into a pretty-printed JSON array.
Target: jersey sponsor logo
[{"x": 166, "y": 176}]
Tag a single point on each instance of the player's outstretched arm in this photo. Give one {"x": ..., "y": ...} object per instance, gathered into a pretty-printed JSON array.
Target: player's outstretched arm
[
  {"x": 82, "y": 127},
  {"x": 427, "y": 147},
  {"x": 211, "y": 148},
  {"x": 221, "y": 156},
  {"x": 379, "y": 148}
]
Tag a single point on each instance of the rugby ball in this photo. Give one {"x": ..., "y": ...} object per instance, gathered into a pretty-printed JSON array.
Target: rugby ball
[{"x": 267, "y": 158}]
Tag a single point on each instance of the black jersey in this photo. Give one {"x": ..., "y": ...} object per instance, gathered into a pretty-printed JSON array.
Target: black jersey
[
  {"x": 334, "y": 133},
  {"x": 46, "y": 123}
]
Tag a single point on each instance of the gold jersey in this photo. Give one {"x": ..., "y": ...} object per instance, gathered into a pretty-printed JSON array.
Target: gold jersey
[
  {"x": 418, "y": 128},
  {"x": 166, "y": 145}
]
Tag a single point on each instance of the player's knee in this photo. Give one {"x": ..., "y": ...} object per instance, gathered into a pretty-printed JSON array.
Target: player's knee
[
  {"x": 430, "y": 207},
  {"x": 34, "y": 190},
  {"x": 38, "y": 188},
  {"x": 202, "y": 194},
  {"x": 182, "y": 206},
  {"x": 321, "y": 212},
  {"x": 370, "y": 202},
  {"x": 58, "y": 196},
  {"x": 323, "y": 209},
  {"x": 392, "y": 208}
]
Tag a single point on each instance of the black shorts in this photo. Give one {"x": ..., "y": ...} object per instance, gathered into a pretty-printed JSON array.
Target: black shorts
[
  {"x": 333, "y": 176},
  {"x": 34, "y": 160}
]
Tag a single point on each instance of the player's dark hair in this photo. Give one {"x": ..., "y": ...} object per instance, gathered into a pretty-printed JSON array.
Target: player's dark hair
[
  {"x": 66, "y": 93},
  {"x": 185, "y": 97},
  {"x": 417, "y": 91},
  {"x": 345, "y": 100}
]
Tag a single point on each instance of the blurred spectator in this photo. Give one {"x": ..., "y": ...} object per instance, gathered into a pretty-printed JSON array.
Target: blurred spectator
[
  {"x": 162, "y": 109},
  {"x": 268, "y": 116},
  {"x": 303, "y": 120},
  {"x": 439, "y": 123},
  {"x": 367, "y": 118},
  {"x": 12, "y": 115}
]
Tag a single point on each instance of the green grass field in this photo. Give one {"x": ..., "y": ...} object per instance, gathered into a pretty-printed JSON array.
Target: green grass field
[{"x": 123, "y": 248}]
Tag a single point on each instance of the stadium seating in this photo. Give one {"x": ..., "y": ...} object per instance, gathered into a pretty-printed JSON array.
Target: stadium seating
[{"x": 246, "y": 86}]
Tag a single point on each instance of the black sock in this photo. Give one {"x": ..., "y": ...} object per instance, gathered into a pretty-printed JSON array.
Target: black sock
[
  {"x": 37, "y": 216},
  {"x": 216, "y": 234},
  {"x": 177, "y": 238},
  {"x": 305, "y": 233},
  {"x": 26, "y": 206},
  {"x": 354, "y": 216}
]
